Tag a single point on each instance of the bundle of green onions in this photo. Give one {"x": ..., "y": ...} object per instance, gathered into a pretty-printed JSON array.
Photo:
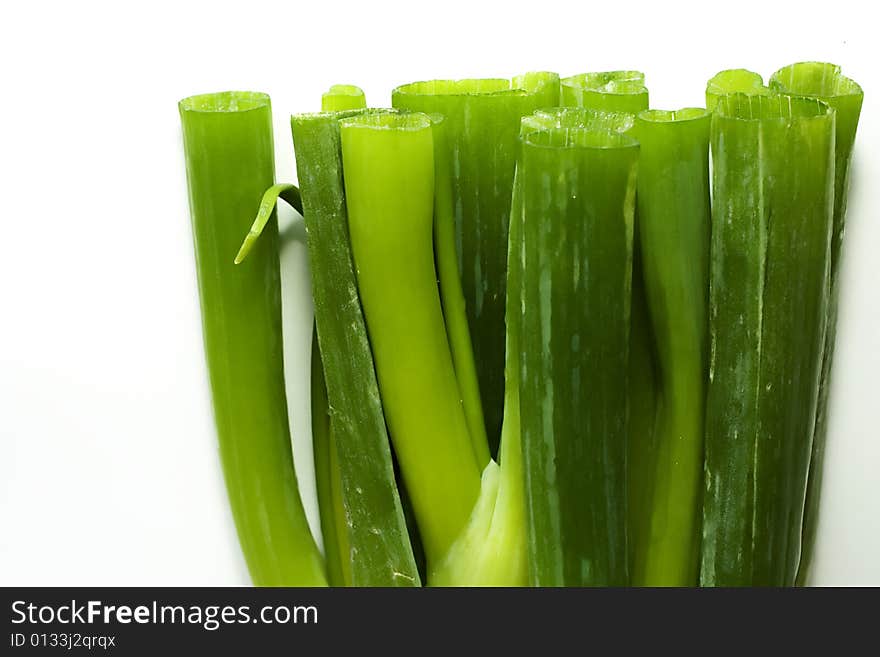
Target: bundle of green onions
[{"x": 548, "y": 350}]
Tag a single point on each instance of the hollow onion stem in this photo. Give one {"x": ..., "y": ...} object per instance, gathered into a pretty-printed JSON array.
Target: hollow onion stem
[{"x": 230, "y": 162}]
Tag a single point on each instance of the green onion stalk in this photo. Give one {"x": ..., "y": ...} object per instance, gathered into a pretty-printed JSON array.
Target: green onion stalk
[
  {"x": 482, "y": 126},
  {"x": 673, "y": 223},
  {"x": 230, "y": 163},
  {"x": 572, "y": 231},
  {"x": 339, "y": 97},
  {"x": 772, "y": 218},
  {"x": 397, "y": 194},
  {"x": 359, "y": 496},
  {"x": 611, "y": 91},
  {"x": 377, "y": 202},
  {"x": 625, "y": 92},
  {"x": 825, "y": 82},
  {"x": 735, "y": 80},
  {"x": 388, "y": 161}
]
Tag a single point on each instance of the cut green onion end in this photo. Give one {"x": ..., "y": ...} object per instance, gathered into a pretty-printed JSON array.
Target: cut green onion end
[
  {"x": 388, "y": 120},
  {"x": 673, "y": 116},
  {"x": 534, "y": 80},
  {"x": 615, "y": 82},
  {"x": 342, "y": 97},
  {"x": 468, "y": 87},
  {"x": 578, "y": 117},
  {"x": 735, "y": 80},
  {"x": 579, "y": 138},
  {"x": 782, "y": 107},
  {"x": 225, "y": 101},
  {"x": 814, "y": 79}
]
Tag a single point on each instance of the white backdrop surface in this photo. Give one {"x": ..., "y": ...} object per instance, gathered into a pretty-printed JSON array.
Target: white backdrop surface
[{"x": 109, "y": 472}]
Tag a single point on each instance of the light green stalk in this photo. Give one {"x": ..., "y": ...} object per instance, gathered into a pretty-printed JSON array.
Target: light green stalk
[
  {"x": 471, "y": 525},
  {"x": 482, "y": 126},
  {"x": 674, "y": 220},
  {"x": 388, "y": 162},
  {"x": 611, "y": 91},
  {"x": 343, "y": 97},
  {"x": 731, "y": 81}
]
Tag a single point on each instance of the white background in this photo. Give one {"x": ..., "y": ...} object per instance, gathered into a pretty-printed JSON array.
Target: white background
[{"x": 108, "y": 464}]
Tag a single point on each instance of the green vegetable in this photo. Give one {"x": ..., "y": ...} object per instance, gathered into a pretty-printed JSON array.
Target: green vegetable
[
  {"x": 388, "y": 162},
  {"x": 482, "y": 125},
  {"x": 539, "y": 355},
  {"x": 578, "y": 196},
  {"x": 464, "y": 520},
  {"x": 674, "y": 219},
  {"x": 824, "y": 82},
  {"x": 373, "y": 539},
  {"x": 328, "y": 481},
  {"x": 229, "y": 162},
  {"x": 773, "y": 179},
  {"x": 342, "y": 97},
  {"x": 611, "y": 91},
  {"x": 625, "y": 92},
  {"x": 736, "y": 80},
  {"x": 575, "y": 117}
]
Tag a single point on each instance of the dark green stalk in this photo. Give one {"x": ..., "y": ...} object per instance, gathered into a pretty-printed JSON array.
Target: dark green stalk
[
  {"x": 452, "y": 297},
  {"x": 824, "y": 82},
  {"x": 625, "y": 92},
  {"x": 773, "y": 179},
  {"x": 230, "y": 162},
  {"x": 339, "y": 97},
  {"x": 379, "y": 550},
  {"x": 578, "y": 196},
  {"x": 327, "y": 477}
]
